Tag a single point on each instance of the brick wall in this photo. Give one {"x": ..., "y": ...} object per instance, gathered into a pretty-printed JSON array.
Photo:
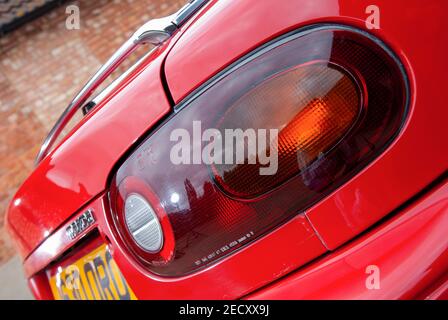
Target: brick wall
[{"x": 43, "y": 65}]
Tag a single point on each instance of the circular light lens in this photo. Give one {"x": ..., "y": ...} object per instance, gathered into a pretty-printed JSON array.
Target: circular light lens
[{"x": 143, "y": 224}]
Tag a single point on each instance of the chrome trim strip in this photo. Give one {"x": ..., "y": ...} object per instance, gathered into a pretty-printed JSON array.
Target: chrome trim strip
[
  {"x": 100, "y": 96},
  {"x": 187, "y": 11}
]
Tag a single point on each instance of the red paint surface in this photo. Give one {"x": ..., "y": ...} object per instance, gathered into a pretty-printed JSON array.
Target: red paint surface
[
  {"x": 411, "y": 248},
  {"x": 410, "y": 251}
]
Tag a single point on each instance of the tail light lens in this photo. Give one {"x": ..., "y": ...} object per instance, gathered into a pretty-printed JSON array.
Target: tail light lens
[
  {"x": 321, "y": 103},
  {"x": 316, "y": 106}
]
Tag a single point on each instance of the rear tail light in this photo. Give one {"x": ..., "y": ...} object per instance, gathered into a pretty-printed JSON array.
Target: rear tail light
[
  {"x": 327, "y": 100},
  {"x": 312, "y": 106}
]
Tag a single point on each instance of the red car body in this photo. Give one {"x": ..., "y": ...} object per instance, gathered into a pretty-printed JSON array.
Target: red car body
[{"x": 393, "y": 214}]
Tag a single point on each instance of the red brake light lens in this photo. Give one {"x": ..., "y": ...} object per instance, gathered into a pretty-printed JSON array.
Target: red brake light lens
[{"x": 336, "y": 96}]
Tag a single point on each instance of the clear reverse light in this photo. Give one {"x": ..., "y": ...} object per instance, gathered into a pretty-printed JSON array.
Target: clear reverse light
[{"x": 143, "y": 223}]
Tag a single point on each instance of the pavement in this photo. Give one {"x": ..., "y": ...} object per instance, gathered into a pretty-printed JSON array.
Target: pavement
[{"x": 13, "y": 285}]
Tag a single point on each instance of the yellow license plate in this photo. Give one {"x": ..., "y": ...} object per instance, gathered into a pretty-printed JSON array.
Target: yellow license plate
[{"x": 94, "y": 276}]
